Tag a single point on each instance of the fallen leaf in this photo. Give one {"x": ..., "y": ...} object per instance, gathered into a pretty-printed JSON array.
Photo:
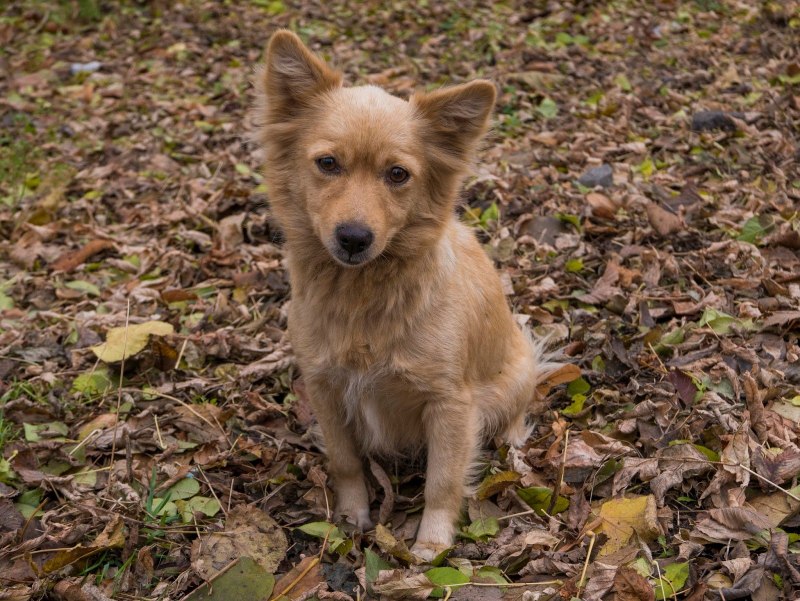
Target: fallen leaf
[
  {"x": 242, "y": 579},
  {"x": 126, "y": 341},
  {"x": 397, "y": 584},
  {"x": 662, "y": 221},
  {"x": 629, "y": 585},
  {"x": 249, "y": 532},
  {"x": 620, "y": 519},
  {"x": 729, "y": 524},
  {"x": 72, "y": 259}
]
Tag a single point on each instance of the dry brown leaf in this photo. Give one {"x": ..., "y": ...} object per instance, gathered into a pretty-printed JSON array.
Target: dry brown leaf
[
  {"x": 248, "y": 532},
  {"x": 630, "y": 585},
  {"x": 602, "y": 206},
  {"x": 72, "y": 259},
  {"x": 393, "y": 546},
  {"x": 397, "y": 584},
  {"x": 734, "y": 460},
  {"x": 663, "y": 222},
  {"x": 729, "y": 524},
  {"x": 310, "y": 580}
]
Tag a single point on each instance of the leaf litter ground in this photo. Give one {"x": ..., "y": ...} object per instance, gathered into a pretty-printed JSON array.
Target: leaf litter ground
[{"x": 640, "y": 194}]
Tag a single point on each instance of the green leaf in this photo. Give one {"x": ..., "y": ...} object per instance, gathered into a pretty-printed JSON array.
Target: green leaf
[
  {"x": 337, "y": 541},
  {"x": 490, "y": 213},
  {"x": 571, "y": 219},
  {"x": 92, "y": 383},
  {"x": 35, "y": 432},
  {"x": 445, "y": 577},
  {"x": 206, "y": 505},
  {"x": 321, "y": 530},
  {"x": 672, "y": 579},
  {"x": 574, "y": 266},
  {"x": 373, "y": 564},
  {"x": 547, "y": 108},
  {"x": 646, "y": 168},
  {"x": 538, "y": 498},
  {"x": 756, "y": 228},
  {"x": 711, "y": 454},
  {"x": 6, "y": 302},
  {"x": 245, "y": 580},
  {"x": 83, "y": 286},
  {"x": 482, "y": 529},
  {"x": 494, "y": 483},
  {"x": 183, "y": 489},
  {"x": 623, "y": 82},
  {"x": 721, "y": 322},
  {"x": 579, "y": 386},
  {"x": 28, "y": 502},
  {"x": 492, "y": 573},
  {"x": 243, "y": 169},
  {"x": 576, "y": 406},
  {"x": 6, "y": 473},
  {"x": 164, "y": 507},
  {"x": 86, "y": 477}
]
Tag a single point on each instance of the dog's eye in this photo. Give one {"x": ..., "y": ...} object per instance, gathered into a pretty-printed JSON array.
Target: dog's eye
[
  {"x": 398, "y": 175},
  {"x": 328, "y": 164}
]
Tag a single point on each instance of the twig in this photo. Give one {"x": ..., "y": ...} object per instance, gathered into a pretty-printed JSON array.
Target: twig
[
  {"x": 211, "y": 488},
  {"x": 582, "y": 581},
  {"x": 158, "y": 433},
  {"x": 294, "y": 582},
  {"x": 121, "y": 377},
  {"x": 759, "y": 476},
  {"x": 557, "y": 487}
]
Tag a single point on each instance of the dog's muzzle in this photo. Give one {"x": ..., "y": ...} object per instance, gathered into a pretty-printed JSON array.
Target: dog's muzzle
[{"x": 353, "y": 241}]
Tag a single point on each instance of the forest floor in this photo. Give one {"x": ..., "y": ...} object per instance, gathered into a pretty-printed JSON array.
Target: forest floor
[{"x": 640, "y": 194}]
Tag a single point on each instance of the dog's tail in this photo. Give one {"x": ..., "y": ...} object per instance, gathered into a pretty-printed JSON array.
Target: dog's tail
[{"x": 545, "y": 365}]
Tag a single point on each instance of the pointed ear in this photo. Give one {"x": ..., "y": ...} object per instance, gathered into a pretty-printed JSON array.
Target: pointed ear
[
  {"x": 294, "y": 75},
  {"x": 457, "y": 116}
]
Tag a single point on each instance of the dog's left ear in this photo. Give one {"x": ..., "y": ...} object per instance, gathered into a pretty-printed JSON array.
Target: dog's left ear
[
  {"x": 457, "y": 116},
  {"x": 294, "y": 76}
]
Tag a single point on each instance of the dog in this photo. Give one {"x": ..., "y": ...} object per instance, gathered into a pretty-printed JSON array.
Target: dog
[{"x": 397, "y": 318}]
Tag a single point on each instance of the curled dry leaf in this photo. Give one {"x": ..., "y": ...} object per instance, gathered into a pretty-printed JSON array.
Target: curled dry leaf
[
  {"x": 72, "y": 259},
  {"x": 729, "y": 524},
  {"x": 249, "y": 532},
  {"x": 664, "y": 222},
  {"x": 397, "y": 584}
]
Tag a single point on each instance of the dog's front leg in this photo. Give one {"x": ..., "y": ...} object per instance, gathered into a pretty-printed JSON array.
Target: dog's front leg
[
  {"x": 452, "y": 439},
  {"x": 344, "y": 462}
]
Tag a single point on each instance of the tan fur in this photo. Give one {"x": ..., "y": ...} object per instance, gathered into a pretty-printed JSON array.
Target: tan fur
[{"x": 416, "y": 346}]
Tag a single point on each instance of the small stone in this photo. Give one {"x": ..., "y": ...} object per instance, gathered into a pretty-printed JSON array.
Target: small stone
[
  {"x": 89, "y": 67},
  {"x": 597, "y": 176},
  {"x": 546, "y": 229},
  {"x": 711, "y": 120}
]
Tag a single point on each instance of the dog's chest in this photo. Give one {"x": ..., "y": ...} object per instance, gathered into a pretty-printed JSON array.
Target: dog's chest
[{"x": 383, "y": 408}]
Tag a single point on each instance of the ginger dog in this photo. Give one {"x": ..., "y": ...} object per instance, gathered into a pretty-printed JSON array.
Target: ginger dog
[{"x": 398, "y": 320}]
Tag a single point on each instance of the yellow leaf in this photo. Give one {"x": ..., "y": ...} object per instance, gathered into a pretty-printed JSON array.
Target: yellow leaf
[
  {"x": 101, "y": 422},
  {"x": 127, "y": 341},
  {"x": 389, "y": 544},
  {"x": 622, "y": 518}
]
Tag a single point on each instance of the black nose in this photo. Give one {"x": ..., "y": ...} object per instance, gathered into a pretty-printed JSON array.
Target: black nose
[{"x": 353, "y": 238}]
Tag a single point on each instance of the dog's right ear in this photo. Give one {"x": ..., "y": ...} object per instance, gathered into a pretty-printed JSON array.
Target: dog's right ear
[{"x": 294, "y": 75}]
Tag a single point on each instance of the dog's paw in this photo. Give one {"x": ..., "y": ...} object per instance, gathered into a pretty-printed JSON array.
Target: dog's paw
[
  {"x": 428, "y": 550},
  {"x": 352, "y": 502},
  {"x": 357, "y": 516}
]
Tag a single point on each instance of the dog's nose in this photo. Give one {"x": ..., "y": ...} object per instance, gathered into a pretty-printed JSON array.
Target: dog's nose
[{"x": 353, "y": 238}]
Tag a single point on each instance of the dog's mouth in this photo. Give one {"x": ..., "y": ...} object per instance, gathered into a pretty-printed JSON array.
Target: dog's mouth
[{"x": 350, "y": 260}]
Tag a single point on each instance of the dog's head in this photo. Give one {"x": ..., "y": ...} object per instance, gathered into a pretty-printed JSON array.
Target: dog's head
[{"x": 370, "y": 173}]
